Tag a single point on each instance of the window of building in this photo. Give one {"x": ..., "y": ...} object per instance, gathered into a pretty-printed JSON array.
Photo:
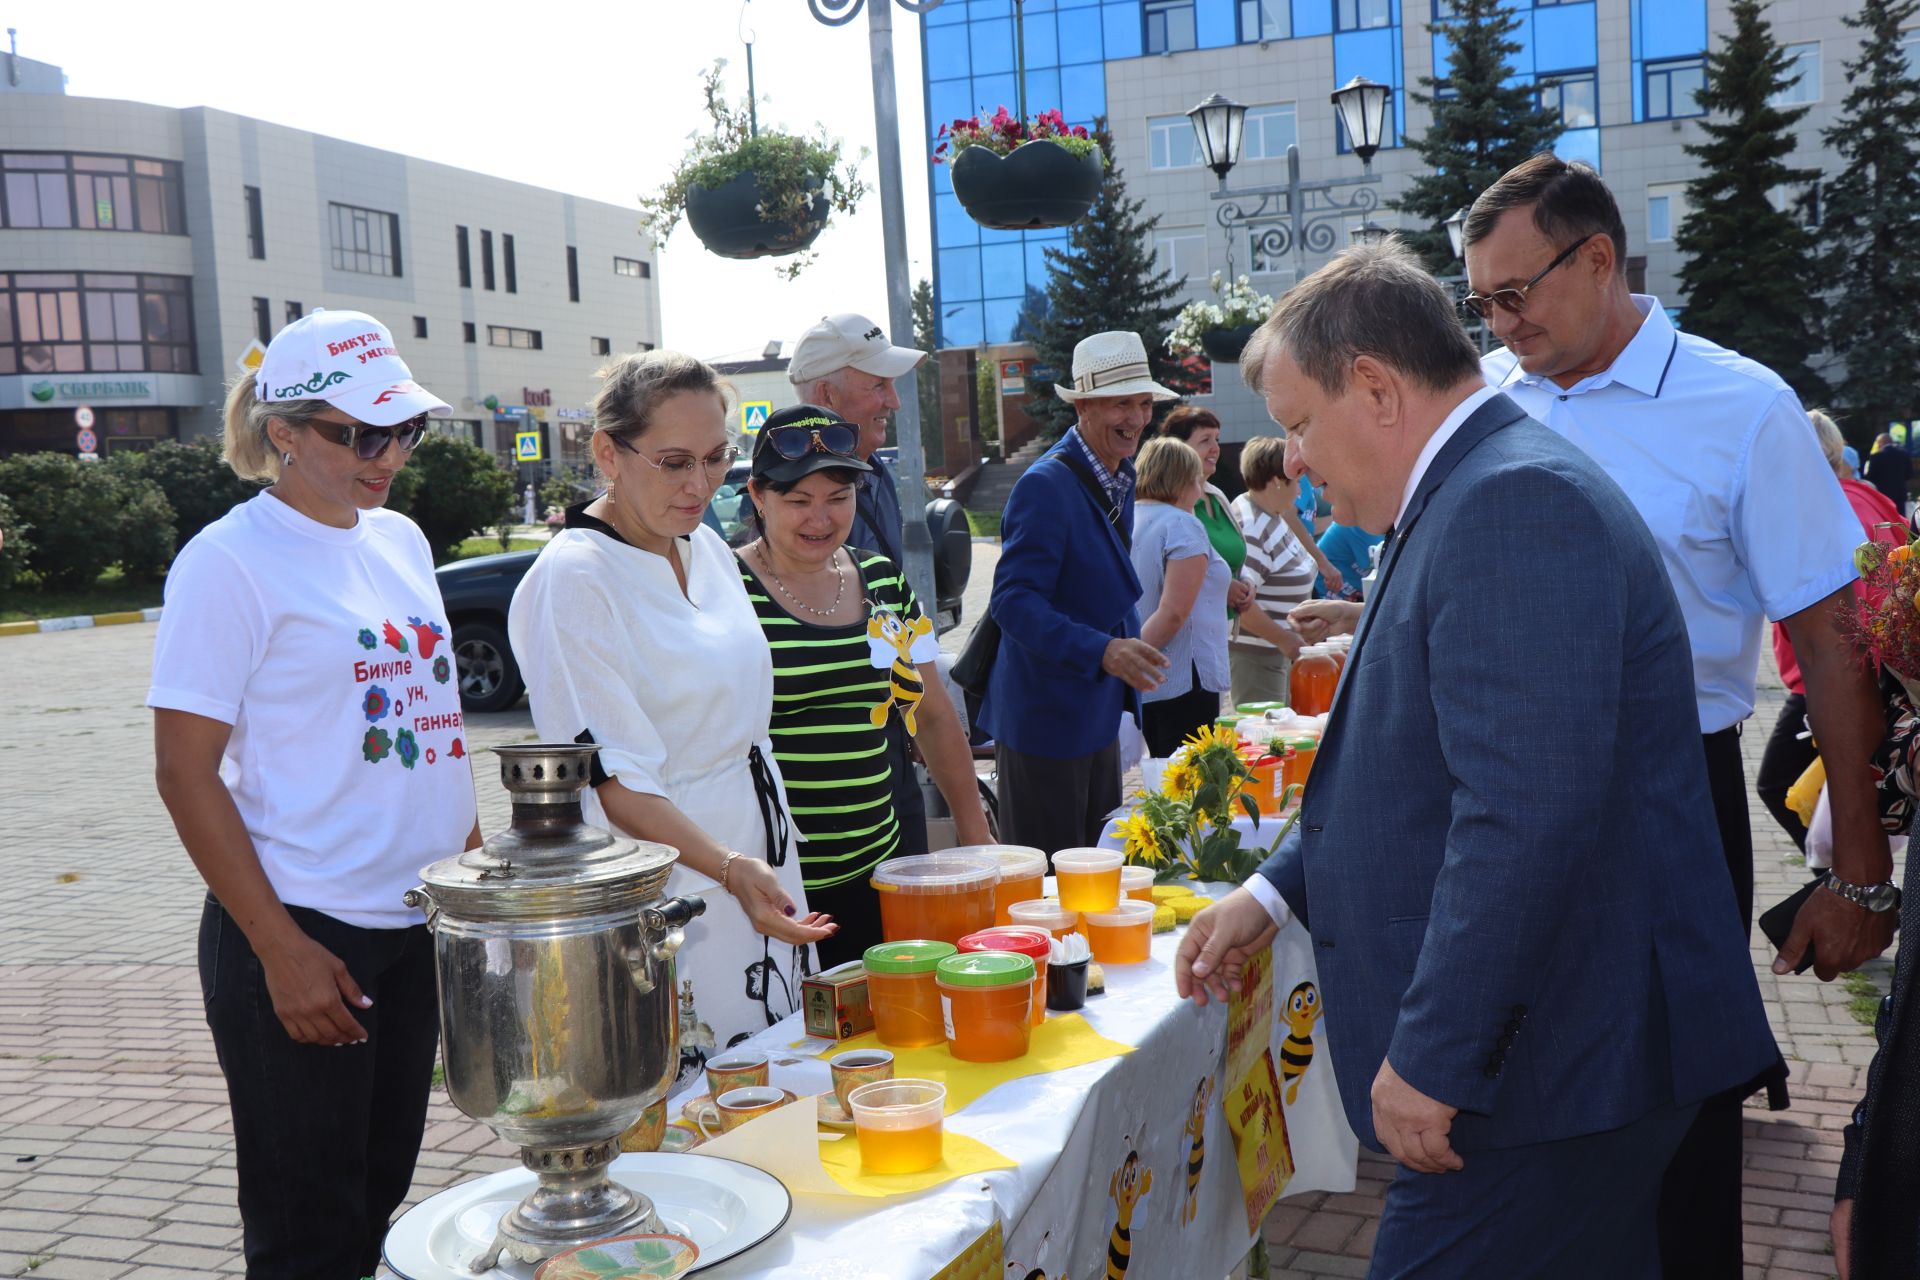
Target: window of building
[
  {"x": 1802, "y": 202},
  {"x": 486, "y": 259},
  {"x": 1270, "y": 131},
  {"x": 1575, "y": 97},
  {"x": 1672, "y": 88},
  {"x": 643, "y": 346},
  {"x": 1182, "y": 252},
  {"x": 499, "y": 335},
  {"x": 419, "y": 326},
  {"x": 467, "y": 333},
  {"x": 1361, "y": 15},
  {"x": 1265, "y": 20},
  {"x": 263, "y": 320},
  {"x": 54, "y": 189},
  {"x": 600, "y": 346},
  {"x": 1266, "y": 259},
  {"x": 365, "y": 241},
  {"x": 632, "y": 267},
  {"x": 256, "y": 225},
  {"x": 294, "y": 311},
  {"x": 1170, "y": 26},
  {"x": 96, "y": 322},
  {"x": 1803, "y": 76},
  {"x": 461, "y": 257},
  {"x": 573, "y": 274},
  {"x": 1666, "y": 210},
  {"x": 1171, "y": 144},
  {"x": 506, "y": 263}
]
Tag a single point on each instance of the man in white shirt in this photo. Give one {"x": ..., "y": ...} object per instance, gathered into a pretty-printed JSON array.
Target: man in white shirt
[{"x": 1717, "y": 454}]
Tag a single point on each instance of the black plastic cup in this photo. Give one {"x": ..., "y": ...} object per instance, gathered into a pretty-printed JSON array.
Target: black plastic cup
[{"x": 1066, "y": 985}]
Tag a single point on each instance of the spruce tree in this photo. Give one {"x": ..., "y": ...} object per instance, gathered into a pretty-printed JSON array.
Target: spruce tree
[
  {"x": 1484, "y": 126},
  {"x": 1872, "y": 222},
  {"x": 1106, "y": 279},
  {"x": 932, "y": 439},
  {"x": 1751, "y": 275}
]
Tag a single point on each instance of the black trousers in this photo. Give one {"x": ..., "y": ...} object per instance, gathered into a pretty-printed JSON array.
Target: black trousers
[
  {"x": 1700, "y": 1228},
  {"x": 1787, "y": 757},
  {"x": 325, "y": 1137},
  {"x": 1057, "y": 804},
  {"x": 1171, "y": 721},
  {"x": 909, "y": 802}
]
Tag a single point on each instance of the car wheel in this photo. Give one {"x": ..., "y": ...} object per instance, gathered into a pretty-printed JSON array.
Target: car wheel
[{"x": 489, "y": 677}]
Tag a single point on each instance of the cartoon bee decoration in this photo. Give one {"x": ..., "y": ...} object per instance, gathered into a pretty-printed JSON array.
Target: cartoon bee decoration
[
  {"x": 1129, "y": 1184},
  {"x": 1197, "y": 1148},
  {"x": 1296, "y": 1051},
  {"x": 897, "y": 645}
]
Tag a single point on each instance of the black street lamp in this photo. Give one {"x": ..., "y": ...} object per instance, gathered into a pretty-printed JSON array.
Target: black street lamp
[
  {"x": 1457, "y": 232},
  {"x": 1369, "y": 232},
  {"x": 1362, "y": 105},
  {"x": 1219, "y": 125}
]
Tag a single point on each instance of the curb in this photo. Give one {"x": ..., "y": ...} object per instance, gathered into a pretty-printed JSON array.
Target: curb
[{"x": 79, "y": 622}]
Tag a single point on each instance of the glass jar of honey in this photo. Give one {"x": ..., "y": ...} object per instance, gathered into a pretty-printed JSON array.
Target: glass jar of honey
[
  {"x": 1311, "y": 685},
  {"x": 986, "y": 1002},
  {"x": 902, "y": 994},
  {"x": 942, "y": 896}
]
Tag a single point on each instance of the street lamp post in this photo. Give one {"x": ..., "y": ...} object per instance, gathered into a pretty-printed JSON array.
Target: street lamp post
[{"x": 1456, "y": 285}]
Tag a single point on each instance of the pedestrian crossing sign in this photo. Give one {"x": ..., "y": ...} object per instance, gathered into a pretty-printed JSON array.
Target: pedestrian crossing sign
[
  {"x": 526, "y": 446},
  {"x": 754, "y": 415}
]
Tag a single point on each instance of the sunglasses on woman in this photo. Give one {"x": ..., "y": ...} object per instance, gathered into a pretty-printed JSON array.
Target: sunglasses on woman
[
  {"x": 369, "y": 442},
  {"x": 798, "y": 439}
]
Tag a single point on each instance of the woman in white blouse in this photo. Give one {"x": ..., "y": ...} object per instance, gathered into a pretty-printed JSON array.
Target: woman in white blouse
[{"x": 634, "y": 632}]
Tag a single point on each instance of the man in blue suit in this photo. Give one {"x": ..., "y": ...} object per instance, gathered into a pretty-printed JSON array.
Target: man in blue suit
[
  {"x": 1506, "y": 857},
  {"x": 1071, "y": 662}
]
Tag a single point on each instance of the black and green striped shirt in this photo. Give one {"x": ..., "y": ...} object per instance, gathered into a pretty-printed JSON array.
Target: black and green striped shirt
[{"x": 832, "y": 755}]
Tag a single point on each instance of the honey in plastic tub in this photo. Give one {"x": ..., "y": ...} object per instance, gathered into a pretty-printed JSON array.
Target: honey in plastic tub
[
  {"x": 899, "y": 1124},
  {"x": 902, "y": 994},
  {"x": 1123, "y": 935},
  {"x": 1021, "y": 939},
  {"x": 1023, "y": 873},
  {"x": 986, "y": 999},
  {"x": 1088, "y": 879},
  {"x": 1045, "y": 913},
  {"x": 1300, "y": 763},
  {"x": 1137, "y": 883},
  {"x": 942, "y": 896}
]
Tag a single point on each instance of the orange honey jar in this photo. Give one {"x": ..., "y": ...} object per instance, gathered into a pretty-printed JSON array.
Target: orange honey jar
[
  {"x": 986, "y": 1001},
  {"x": 1026, "y": 940},
  {"x": 939, "y": 896},
  {"x": 1023, "y": 873},
  {"x": 902, "y": 994}
]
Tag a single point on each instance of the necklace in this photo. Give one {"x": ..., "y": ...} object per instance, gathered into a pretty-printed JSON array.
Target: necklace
[{"x": 839, "y": 591}]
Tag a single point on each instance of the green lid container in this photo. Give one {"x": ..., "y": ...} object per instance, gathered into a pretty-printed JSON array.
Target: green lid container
[
  {"x": 1226, "y": 722},
  {"x": 985, "y": 969},
  {"x": 1259, "y": 708},
  {"x": 907, "y": 956}
]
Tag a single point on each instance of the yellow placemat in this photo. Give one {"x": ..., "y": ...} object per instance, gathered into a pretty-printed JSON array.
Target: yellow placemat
[
  {"x": 1057, "y": 1043},
  {"x": 961, "y": 1156},
  {"x": 786, "y": 1143}
]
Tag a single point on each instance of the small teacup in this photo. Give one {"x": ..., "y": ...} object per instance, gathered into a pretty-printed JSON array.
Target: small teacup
[
  {"x": 738, "y": 1069},
  {"x": 856, "y": 1067},
  {"x": 737, "y": 1106},
  {"x": 646, "y": 1133}
]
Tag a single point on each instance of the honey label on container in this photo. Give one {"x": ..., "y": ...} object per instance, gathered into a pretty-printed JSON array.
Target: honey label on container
[{"x": 836, "y": 1002}]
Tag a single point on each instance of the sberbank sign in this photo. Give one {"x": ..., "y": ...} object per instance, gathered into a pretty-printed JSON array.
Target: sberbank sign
[{"x": 81, "y": 391}]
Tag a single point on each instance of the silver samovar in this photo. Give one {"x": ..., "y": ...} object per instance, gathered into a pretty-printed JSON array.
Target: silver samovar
[{"x": 558, "y": 1009}]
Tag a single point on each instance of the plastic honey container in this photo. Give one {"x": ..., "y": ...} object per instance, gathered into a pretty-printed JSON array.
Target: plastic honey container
[
  {"x": 1023, "y": 873},
  {"x": 942, "y": 896},
  {"x": 1088, "y": 879},
  {"x": 902, "y": 994},
  {"x": 1020, "y": 939},
  {"x": 1123, "y": 935},
  {"x": 986, "y": 1002},
  {"x": 1045, "y": 913},
  {"x": 1137, "y": 883}
]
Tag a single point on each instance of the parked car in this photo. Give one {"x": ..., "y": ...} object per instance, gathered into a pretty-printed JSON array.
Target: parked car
[{"x": 479, "y": 591}]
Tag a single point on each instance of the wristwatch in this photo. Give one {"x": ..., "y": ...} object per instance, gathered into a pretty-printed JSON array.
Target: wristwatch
[{"x": 1884, "y": 896}]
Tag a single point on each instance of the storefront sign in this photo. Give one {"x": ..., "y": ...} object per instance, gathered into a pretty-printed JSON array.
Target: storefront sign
[
  {"x": 543, "y": 398},
  {"x": 61, "y": 391},
  {"x": 573, "y": 415}
]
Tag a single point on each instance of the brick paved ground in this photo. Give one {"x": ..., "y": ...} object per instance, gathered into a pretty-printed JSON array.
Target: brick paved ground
[{"x": 115, "y": 1157}]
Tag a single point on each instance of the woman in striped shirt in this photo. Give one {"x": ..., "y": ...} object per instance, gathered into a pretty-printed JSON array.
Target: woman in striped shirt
[
  {"x": 1280, "y": 567},
  {"x": 851, "y": 646}
]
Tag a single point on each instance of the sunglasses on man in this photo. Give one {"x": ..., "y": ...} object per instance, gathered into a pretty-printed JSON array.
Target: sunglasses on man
[
  {"x": 368, "y": 442},
  {"x": 1514, "y": 301}
]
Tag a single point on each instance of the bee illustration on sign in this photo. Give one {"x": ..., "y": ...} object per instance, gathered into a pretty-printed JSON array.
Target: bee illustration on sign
[
  {"x": 1296, "y": 1052},
  {"x": 1197, "y": 1146},
  {"x": 895, "y": 645},
  {"x": 1128, "y": 1186}
]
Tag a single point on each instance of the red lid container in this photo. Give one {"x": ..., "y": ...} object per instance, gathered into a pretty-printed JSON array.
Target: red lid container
[{"x": 1020, "y": 939}]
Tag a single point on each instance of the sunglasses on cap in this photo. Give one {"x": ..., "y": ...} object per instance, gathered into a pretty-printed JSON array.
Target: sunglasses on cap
[
  {"x": 810, "y": 435},
  {"x": 369, "y": 442}
]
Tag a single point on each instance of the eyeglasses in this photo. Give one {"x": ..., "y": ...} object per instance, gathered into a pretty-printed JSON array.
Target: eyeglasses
[
  {"x": 679, "y": 466},
  {"x": 369, "y": 442},
  {"x": 797, "y": 440},
  {"x": 1515, "y": 300}
]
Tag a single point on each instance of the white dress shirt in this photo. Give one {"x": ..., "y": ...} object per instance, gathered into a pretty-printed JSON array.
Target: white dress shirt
[{"x": 1718, "y": 456}]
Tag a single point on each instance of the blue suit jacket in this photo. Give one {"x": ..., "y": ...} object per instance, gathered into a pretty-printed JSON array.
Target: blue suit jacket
[
  {"x": 1064, "y": 587},
  {"x": 1507, "y": 853}
]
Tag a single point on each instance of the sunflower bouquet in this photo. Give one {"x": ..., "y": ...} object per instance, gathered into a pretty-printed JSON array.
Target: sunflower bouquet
[{"x": 1185, "y": 829}]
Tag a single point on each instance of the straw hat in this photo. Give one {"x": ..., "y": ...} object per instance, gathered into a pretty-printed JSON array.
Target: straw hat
[{"x": 1111, "y": 364}]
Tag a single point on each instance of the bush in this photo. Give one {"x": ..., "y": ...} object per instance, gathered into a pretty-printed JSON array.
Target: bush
[
  {"x": 73, "y": 508},
  {"x": 15, "y": 542},
  {"x": 564, "y": 488},
  {"x": 453, "y": 491},
  {"x": 145, "y": 536},
  {"x": 196, "y": 480}
]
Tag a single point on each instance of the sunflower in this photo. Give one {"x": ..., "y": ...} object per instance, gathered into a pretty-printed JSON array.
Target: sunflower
[
  {"x": 1142, "y": 845},
  {"x": 1181, "y": 779}
]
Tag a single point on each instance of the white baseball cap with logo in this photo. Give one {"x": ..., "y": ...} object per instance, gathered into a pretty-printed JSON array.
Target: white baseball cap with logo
[
  {"x": 847, "y": 340},
  {"x": 347, "y": 359}
]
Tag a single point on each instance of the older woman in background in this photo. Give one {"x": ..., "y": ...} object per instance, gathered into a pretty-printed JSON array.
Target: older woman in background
[{"x": 1280, "y": 569}]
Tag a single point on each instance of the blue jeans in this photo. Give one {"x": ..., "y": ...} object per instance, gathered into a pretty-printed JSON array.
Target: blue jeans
[{"x": 325, "y": 1137}]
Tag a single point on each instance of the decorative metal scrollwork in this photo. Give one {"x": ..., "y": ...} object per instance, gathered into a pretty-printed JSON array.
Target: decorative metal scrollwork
[{"x": 838, "y": 13}]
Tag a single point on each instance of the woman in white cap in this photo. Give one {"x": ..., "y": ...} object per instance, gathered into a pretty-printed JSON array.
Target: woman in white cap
[
  {"x": 634, "y": 632},
  {"x": 308, "y": 743}
]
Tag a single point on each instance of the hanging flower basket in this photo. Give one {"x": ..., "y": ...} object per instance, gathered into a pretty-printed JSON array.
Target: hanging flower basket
[
  {"x": 1223, "y": 346},
  {"x": 729, "y": 222},
  {"x": 1221, "y": 329},
  {"x": 1015, "y": 176}
]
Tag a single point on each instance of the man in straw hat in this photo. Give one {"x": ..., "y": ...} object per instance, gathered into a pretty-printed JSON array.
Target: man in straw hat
[{"x": 1070, "y": 661}]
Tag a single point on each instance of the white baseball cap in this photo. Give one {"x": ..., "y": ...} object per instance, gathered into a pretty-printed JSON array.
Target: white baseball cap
[
  {"x": 346, "y": 358},
  {"x": 848, "y": 340}
]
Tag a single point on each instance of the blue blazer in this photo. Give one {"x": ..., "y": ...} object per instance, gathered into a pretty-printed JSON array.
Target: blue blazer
[
  {"x": 1507, "y": 854},
  {"x": 1065, "y": 586}
]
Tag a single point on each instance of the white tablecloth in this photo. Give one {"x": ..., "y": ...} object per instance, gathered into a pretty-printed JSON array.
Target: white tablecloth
[{"x": 1070, "y": 1131}]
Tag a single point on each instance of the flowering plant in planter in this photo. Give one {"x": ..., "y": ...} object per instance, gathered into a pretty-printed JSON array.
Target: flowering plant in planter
[
  {"x": 1003, "y": 132},
  {"x": 1241, "y": 306},
  {"x": 753, "y": 194}
]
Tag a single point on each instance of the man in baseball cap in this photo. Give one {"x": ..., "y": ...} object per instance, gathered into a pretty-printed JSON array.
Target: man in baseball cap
[
  {"x": 347, "y": 359},
  {"x": 845, "y": 364}
]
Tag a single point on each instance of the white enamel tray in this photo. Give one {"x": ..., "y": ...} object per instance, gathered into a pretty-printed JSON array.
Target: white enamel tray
[{"x": 723, "y": 1206}]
